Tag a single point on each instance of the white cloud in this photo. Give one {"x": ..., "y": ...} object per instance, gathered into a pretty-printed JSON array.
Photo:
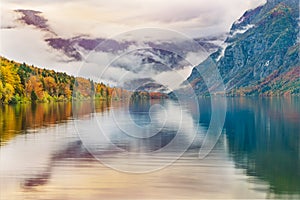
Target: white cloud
[
  {"x": 105, "y": 19},
  {"x": 173, "y": 79}
]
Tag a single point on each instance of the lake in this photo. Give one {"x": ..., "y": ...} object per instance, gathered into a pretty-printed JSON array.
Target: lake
[{"x": 150, "y": 150}]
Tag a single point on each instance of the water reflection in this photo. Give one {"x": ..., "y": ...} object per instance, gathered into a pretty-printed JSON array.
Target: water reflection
[
  {"x": 258, "y": 155},
  {"x": 73, "y": 150},
  {"x": 139, "y": 131},
  {"x": 264, "y": 138},
  {"x": 26, "y": 118},
  {"x": 140, "y": 109},
  {"x": 23, "y": 118}
]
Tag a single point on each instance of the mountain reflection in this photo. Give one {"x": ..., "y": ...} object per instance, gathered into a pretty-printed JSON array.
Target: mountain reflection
[
  {"x": 263, "y": 138},
  {"x": 72, "y": 150},
  {"x": 262, "y": 135}
]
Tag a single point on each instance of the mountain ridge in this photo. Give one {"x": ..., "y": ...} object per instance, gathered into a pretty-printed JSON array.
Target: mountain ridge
[{"x": 262, "y": 44}]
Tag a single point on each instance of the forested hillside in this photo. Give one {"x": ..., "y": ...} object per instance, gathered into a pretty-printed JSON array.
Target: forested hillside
[
  {"x": 21, "y": 83},
  {"x": 24, "y": 83}
]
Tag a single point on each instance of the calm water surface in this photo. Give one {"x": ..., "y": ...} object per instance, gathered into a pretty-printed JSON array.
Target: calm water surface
[{"x": 42, "y": 156}]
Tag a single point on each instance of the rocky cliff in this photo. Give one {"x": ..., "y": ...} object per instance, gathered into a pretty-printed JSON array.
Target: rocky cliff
[{"x": 261, "y": 53}]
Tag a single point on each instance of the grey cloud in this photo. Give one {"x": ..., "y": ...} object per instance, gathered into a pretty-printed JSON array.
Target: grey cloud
[
  {"x": 32, "y": 17},
  {"x": 195, "y": 18}
]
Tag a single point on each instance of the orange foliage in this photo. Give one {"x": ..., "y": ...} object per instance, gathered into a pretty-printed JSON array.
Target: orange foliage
[
  {"x": 83, "y": 86},
  {"x": 34, "y": 84},
  {"x": 157, "y": 95},
  {"x": 50, "y": 85}
]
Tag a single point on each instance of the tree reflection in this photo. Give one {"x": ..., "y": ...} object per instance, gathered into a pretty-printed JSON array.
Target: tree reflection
[
  {"x": 263, "y": 138},
  {"x": 23, "y": 118}
]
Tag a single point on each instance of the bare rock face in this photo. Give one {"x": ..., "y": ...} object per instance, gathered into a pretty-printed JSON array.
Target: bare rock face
[
  {"x": 32, "y": 17},
  {"x": 261, "y": 51},
  {"x": 152, "y": 56}
]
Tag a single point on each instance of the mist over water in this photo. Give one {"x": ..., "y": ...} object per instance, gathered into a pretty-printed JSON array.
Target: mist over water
[{"x": 42, "y": 154}]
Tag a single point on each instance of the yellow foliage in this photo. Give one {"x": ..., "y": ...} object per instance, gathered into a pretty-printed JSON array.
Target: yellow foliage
[
  {"x": 1, "y": 89},
  {"x": 8, "y": 75},
  {"x": 21, "y": 82},
  {"x": 67, "y": 92},
  {"x": 8, "y": 92},
  {"x": 50, "y": 85}
]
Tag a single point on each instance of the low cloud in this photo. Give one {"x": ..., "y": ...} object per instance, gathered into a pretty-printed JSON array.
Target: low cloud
[
  {"x": 107, "y": 18},
  {"x": 70, "y": 30}
]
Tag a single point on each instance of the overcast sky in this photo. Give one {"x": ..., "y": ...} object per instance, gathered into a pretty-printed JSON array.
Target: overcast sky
[{"x": 108, "y": 19}]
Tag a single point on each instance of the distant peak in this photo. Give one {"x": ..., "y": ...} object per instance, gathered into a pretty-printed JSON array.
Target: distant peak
[{"x": 34, "y": 18}]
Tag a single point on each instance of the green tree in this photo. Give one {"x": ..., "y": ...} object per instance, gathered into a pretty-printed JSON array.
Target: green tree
[{"x": 33, "y": 96}]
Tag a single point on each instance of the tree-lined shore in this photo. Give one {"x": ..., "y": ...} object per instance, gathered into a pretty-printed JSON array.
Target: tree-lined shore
[
  {"x": 24, "y": 83},
  {"x": 21, "y": 83}
]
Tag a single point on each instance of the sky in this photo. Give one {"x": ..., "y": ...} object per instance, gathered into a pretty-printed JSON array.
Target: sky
[
  {"x": 108, "y": 19},
  {"x": 105, "y": 18}
]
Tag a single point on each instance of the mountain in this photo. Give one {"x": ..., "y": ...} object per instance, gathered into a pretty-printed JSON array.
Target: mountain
[
  {"x": 260, "y": 55},
  {"x": 137, "y": 60},
  {"x": 74, "y": 47}
]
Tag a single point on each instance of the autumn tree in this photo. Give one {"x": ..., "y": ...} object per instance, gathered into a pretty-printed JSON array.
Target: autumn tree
[
  {"x": 20, "y": 82},
  {"x": 68, "y": 92},
  {"x": 50, "y": 85},
  {"x": 8, "y": 93},
  {"x": 1, "y": 89},
  {"x": 10, "y": 81},
  {"x": 34, "y": 84}
]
